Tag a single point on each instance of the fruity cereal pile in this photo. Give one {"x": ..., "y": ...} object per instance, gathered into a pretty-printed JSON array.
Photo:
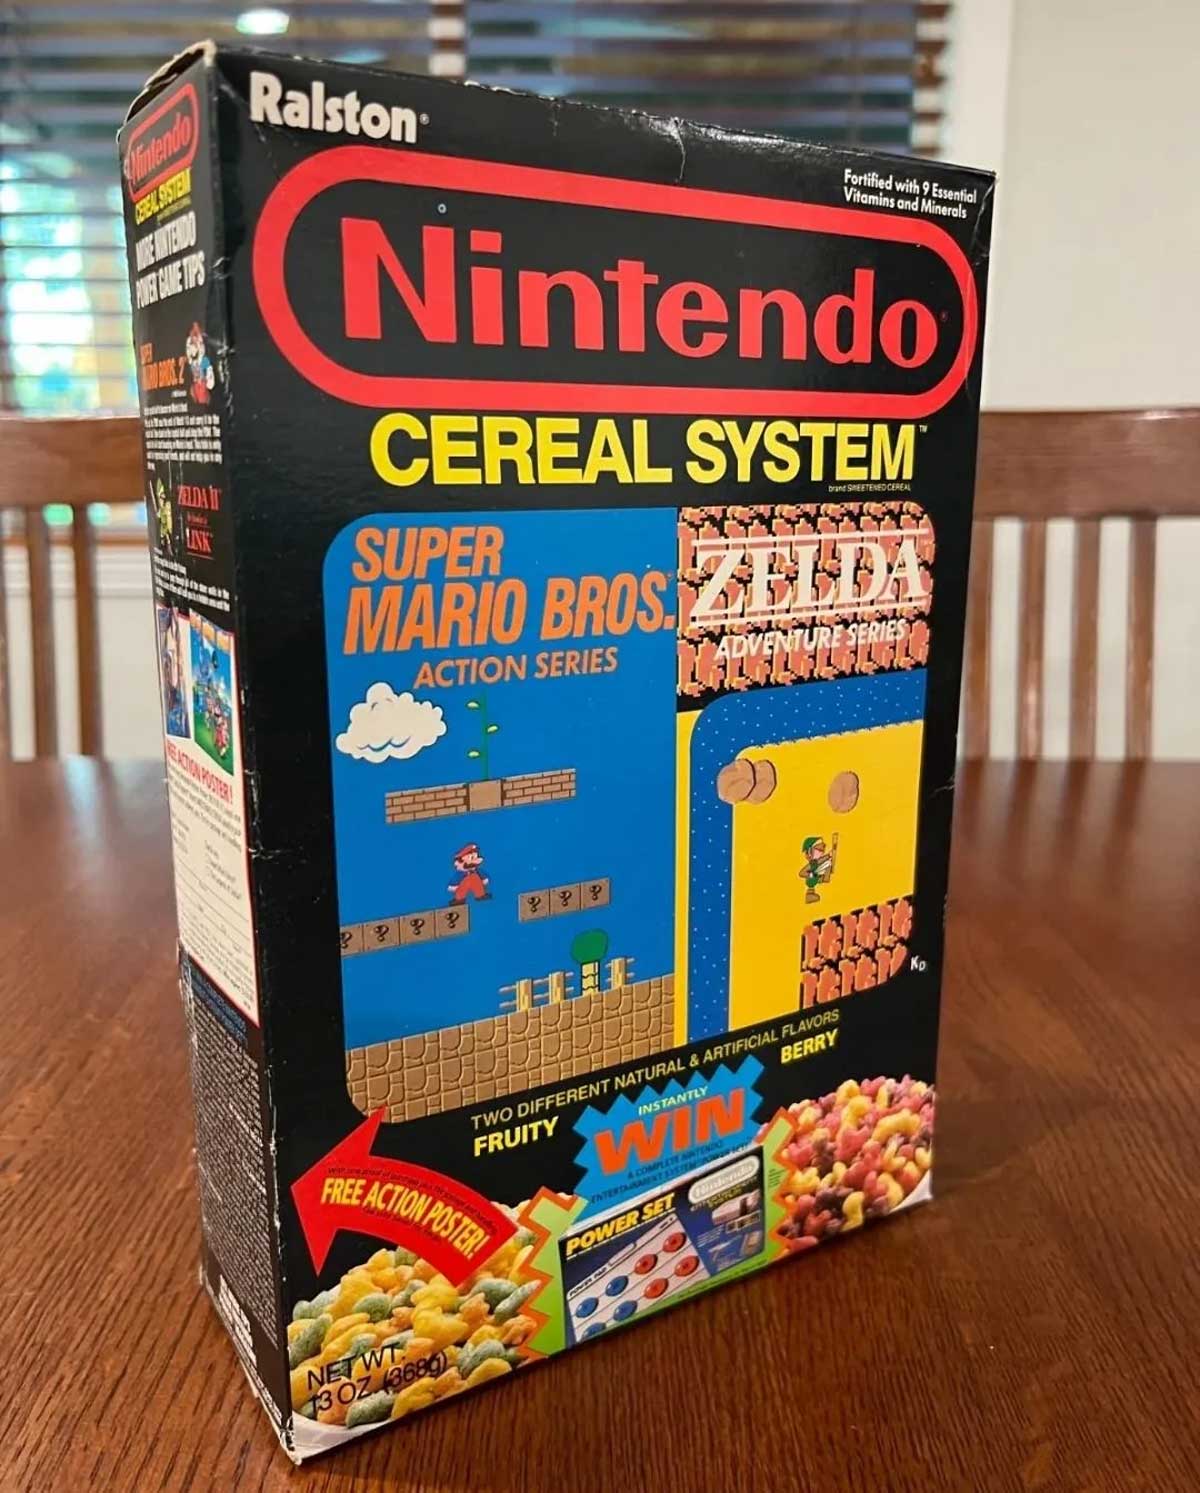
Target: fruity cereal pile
[
  {"x": 394, "y": 1336},
  {"x": 856, "y": 1155}
]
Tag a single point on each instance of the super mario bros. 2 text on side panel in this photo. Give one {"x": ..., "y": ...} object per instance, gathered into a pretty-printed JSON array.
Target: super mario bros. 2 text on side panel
[{"x": 593, "y": 507}]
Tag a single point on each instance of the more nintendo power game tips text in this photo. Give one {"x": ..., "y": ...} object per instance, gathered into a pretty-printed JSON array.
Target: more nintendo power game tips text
[{"x": 560, "y": 523}]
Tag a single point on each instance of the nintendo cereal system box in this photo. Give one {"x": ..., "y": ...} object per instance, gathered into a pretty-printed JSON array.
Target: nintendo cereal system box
[{"x": 559, "y": 522}]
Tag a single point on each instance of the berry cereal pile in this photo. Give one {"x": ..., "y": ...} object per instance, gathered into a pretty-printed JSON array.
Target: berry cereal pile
[
  {"x": 856, "y": 1155},
  {"x": 394, "y": 1336}
]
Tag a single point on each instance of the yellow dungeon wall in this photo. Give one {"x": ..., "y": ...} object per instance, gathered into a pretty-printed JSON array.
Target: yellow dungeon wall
[{"x": 876, "y": 856}]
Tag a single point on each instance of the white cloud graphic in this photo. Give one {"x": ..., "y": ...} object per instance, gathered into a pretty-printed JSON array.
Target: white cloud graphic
[{"x": 387, "y": 725}]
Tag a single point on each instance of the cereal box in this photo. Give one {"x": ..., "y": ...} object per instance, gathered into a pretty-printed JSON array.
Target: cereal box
[{"x": 559, "y": 521}]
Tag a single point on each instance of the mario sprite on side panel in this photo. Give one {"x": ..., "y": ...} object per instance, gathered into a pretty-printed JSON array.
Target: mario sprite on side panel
[{"x": 561, "y": 523}]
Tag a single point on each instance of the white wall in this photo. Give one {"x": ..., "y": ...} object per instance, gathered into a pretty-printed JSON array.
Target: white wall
[
  {"x": 129, "y": 673},
  {"x": 1094, "y": 301},
  {"x": 1088, "y": 111}
]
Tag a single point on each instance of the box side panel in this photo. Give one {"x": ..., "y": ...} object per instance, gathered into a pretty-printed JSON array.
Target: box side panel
[{"x": 173, "y": 230}]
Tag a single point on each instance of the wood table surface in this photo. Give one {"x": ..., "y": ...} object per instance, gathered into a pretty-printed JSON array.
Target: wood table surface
[{"x": 1036, "y": 1328}]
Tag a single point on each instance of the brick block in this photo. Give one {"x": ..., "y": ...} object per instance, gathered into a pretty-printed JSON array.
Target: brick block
[{"x": 484, "y": 795}]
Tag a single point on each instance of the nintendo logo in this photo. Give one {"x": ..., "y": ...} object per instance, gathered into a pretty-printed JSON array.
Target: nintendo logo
[
  {"x": 162, "y": 142},
  {"x": 840, "y": 347}
]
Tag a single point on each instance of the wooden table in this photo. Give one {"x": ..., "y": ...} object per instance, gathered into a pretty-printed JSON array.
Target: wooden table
[{"x": 1036, "y": 1329}]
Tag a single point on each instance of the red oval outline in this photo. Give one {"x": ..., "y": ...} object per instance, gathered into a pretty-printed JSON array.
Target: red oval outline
[
  {"x": 292, "y": 194},
  {"x": 188, "y": 91}
]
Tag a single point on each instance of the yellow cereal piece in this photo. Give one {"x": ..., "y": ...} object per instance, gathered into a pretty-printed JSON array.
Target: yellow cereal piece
[
  {"x": 903, "y": 1123},
  {"x": 335, "y": 1415},
  {"x": 805, "y": 1181},
  {"x": 517, "y": 1330},
  {"x": 438, "y": 1293},
  {"x": 415, "y": 1397},
  {"x": 807, "y": 1117},
  {"x": 923, "y": 1156},
  {"x": 388, "y": 1279},
  {"x": 342, "y": 1325},
  {"x": 380, "y": 1260},
  {"x": 852, "y": 1115},
  {"x": 852, "y": 1212},
  {"x": 895, "y": 1193},
  {"x": 441, "y": 1328},
  {"x": 490, "y": 1368},
  {"x": 474, "y": 1310},
  {"x": 502, "y": 1261},
  {"x": 846, "y": 1092},
  {"x": 838, "y": 1172},
  {"x": 301, "y": 1388},
  {"x": 423, "y": 1270},
  {"x": 374, "y": 1374},
  {"x": 354, "y": 1286},
  {"x": 487, "y": 1333},
  {"x": 418, "y": 1347},
  {"x": 296, "y": 1328}
]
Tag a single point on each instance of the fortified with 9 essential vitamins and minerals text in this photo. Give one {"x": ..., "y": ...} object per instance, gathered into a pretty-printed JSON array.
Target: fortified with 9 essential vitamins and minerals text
[{"x": 559, "y": 522}]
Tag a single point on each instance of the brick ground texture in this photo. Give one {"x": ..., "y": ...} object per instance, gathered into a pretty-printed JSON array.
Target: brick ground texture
[{"x": 503, "y": 1055}]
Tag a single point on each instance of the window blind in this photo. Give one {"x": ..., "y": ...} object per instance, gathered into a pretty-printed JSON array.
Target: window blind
[
  {"x": 68, "y": 70},
  {"x": 859, "y": 71}
]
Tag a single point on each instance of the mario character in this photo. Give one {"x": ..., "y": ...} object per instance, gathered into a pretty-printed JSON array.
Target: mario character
[
  {"x": 199, "y": 365},
  {"x": 818, "y": 865},
  {"x": 165, "y": 517},
  {"x": 221, "y": 732},
  {"x": 472, "y": 881}
]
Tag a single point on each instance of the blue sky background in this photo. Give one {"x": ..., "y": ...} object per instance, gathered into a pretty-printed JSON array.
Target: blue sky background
[{"x": 617, "y": 730}]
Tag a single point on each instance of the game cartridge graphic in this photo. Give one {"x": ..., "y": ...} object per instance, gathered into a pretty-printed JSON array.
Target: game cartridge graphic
[{"x": 644, "y": 1253}]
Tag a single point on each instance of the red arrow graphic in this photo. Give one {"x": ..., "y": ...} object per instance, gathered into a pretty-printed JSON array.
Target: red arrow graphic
[{"x": 452, "y": 1226}]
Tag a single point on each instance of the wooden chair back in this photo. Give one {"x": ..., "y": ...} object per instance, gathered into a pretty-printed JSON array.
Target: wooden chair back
[
  {"x": 1142, "y": 465},
  {"x": 77, "y": 461},
  {"x": 1087, "y": 466}
]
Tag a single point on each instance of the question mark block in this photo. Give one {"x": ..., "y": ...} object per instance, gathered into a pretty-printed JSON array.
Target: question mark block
[
  {"x": 417, "y": 927},
  {"x": 449, "y": 922},
  {"x": 595, "y": 893},
  {"x": 533, "y": 905},
  {"x": 564, "y": 899},
  {"x": 351, "y": 939},
  {"x": 381, "y": 934}
]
